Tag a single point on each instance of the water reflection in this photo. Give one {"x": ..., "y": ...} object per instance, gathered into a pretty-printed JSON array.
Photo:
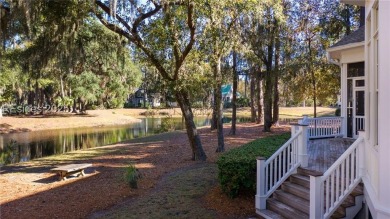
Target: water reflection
[{"x": 32, "y": 145}]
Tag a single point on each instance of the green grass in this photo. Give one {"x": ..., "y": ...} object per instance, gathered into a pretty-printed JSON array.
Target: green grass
[{"x": 288, "y": 112}]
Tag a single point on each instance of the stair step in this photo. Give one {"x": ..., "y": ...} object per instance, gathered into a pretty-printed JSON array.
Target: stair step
[
  {"x": 340, "y": 212},
  {"x": 359, "y": 190},
  {"x": 309, "y": 172},
  {"x": 338, "y": 215},
  {"x": 269, "y": 214},
  {"x": 296, "y": 189},
  {"x": 292, "y": 201},
  {"x": 301, "y": 180},
  {"x": 285, "y": 210},
  {"x": 348, "y": 202}
]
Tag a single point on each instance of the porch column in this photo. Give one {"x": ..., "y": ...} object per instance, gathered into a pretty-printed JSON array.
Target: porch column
[
  {"x": 315, "y": 196},
  {"x": 260, "y": 192},
  {"x": 344, "y": 99},
  {"x": 302, "y": 143}
]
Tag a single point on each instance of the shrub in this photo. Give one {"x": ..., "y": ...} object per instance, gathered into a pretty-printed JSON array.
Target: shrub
[
  {"x": 197, "y": 105},
  {"x": 237, "y": 167},
  {"x": 9, "y": 154},
  {"x": 337, "y": 112},
  {"x": 132, "y": 175},
  {"x": 167, "y": 125},
  {"x": 243, "y": 102}
]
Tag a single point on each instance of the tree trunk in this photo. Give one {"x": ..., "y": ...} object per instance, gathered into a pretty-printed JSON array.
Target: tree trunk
[
  {"x": 275, "y": 115},
  {"x": 313, "y": 79},
  {"x": 219, "y": 105},
  {"x": 347, "y": 20},
  {"x": 234, "y": 101},
  {"x": 252, "y": 95},
  {"x": 268, "y": 80},
  {"x": 245, "y": 86},
  {"x": 192, "y": 133},
  {"x": 62, "y": 87},
  {"x": 215, "y": 110},
  {"x": 74, "y": 106},
  {"x": 314, "y": 93},
  {"x": 42, "y": 101},
  {"x": 268, "y": 100},
  {"x": 30, "y": 95},
  {"x": 268, "y": 90},
  {"x": 36, "y": 91},
  {"x": 258, "y": 97},
  {"x": 275, "y": 119}
]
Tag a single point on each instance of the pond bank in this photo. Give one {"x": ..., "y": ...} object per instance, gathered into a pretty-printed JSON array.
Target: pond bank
[{"x": 94, "y": 118}]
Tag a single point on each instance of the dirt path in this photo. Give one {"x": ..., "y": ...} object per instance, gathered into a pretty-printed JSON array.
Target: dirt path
[
  {"x": 177, "y": 195},
  {"x": 29, "y": 190}
]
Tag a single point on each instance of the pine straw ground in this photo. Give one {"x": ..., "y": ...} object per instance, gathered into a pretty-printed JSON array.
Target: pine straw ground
[{"x": 172, "y": 185}]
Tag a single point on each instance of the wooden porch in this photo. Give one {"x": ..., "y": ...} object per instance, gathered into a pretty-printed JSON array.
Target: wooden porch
[
  {"x": 289, "y": 183},
  {"x": 324, "y": 152}
]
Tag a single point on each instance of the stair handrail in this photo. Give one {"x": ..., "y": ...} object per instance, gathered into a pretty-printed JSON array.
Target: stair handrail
[
  {"x": 272, "y": 172},
  {"x": 329, "y": 190},
  {"x": 283, "y": 147}
]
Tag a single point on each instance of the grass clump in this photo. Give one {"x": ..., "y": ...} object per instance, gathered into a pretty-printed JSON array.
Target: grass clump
[
  {"x": 237, "y": 167},
  {"x": 132, "y": 175}
]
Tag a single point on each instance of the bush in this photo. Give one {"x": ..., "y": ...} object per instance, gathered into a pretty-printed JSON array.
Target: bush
[
  {"x": 167, "y": 125},
  {"x": 237, "y": 167},
  {"x": 9, "y": 154},
  {"x": 197, "y": 105},
  {"x": 337, "y": 112},
  {"x": 243, "y": 102}
]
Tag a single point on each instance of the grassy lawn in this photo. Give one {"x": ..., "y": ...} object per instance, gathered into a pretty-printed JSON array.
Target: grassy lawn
[{"x": 288, "y": 112}]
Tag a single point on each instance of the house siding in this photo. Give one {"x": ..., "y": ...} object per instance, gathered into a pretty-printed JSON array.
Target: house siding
[{"x": 383, "y": 108}]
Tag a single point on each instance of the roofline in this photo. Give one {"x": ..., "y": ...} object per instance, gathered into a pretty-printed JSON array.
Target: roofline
[{"x": 347, "y": 46}]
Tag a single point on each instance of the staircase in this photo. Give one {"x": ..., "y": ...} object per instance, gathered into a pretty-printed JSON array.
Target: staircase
[{"x": 292, "y": 199}]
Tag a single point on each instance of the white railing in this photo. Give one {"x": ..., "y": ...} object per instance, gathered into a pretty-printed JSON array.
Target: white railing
[
  {"x": 359, "y": 123},
  {"x": 271, "y": 173},
  {"x": 324, "y": 127},
  {"x": 328, "y": 191}
]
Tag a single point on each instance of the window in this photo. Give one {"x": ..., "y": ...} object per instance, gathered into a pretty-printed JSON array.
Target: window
[{"x": 355, "y": 70}]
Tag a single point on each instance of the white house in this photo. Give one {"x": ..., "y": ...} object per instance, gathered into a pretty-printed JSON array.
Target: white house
[{"x": 285, "y": 181}]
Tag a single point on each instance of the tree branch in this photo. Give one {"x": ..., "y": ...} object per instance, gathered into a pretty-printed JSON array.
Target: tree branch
[
  {"x": 106, "y": 9},
  {"x": 171, "y": 26},
  {"x": 114, "y": 28},
  {"x": 191, "y": 26},
  {"x": 143, "y": 17}
]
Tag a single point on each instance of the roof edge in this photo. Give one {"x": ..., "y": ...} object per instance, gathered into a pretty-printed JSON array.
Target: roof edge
[{"x": 344, "y": 47}]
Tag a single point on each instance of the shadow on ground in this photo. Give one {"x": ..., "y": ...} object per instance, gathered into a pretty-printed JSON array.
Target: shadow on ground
[{"x": 177, "y": 195}]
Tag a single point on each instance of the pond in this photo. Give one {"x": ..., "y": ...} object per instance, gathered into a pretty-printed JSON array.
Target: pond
[{"x": 31, "y": 145}]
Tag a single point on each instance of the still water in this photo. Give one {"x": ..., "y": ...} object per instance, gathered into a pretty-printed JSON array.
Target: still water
[{"x": 37, "y": 144}]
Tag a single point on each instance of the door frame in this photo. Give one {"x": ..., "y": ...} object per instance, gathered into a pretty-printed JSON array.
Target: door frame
[{"x": 354, "y": 116}]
